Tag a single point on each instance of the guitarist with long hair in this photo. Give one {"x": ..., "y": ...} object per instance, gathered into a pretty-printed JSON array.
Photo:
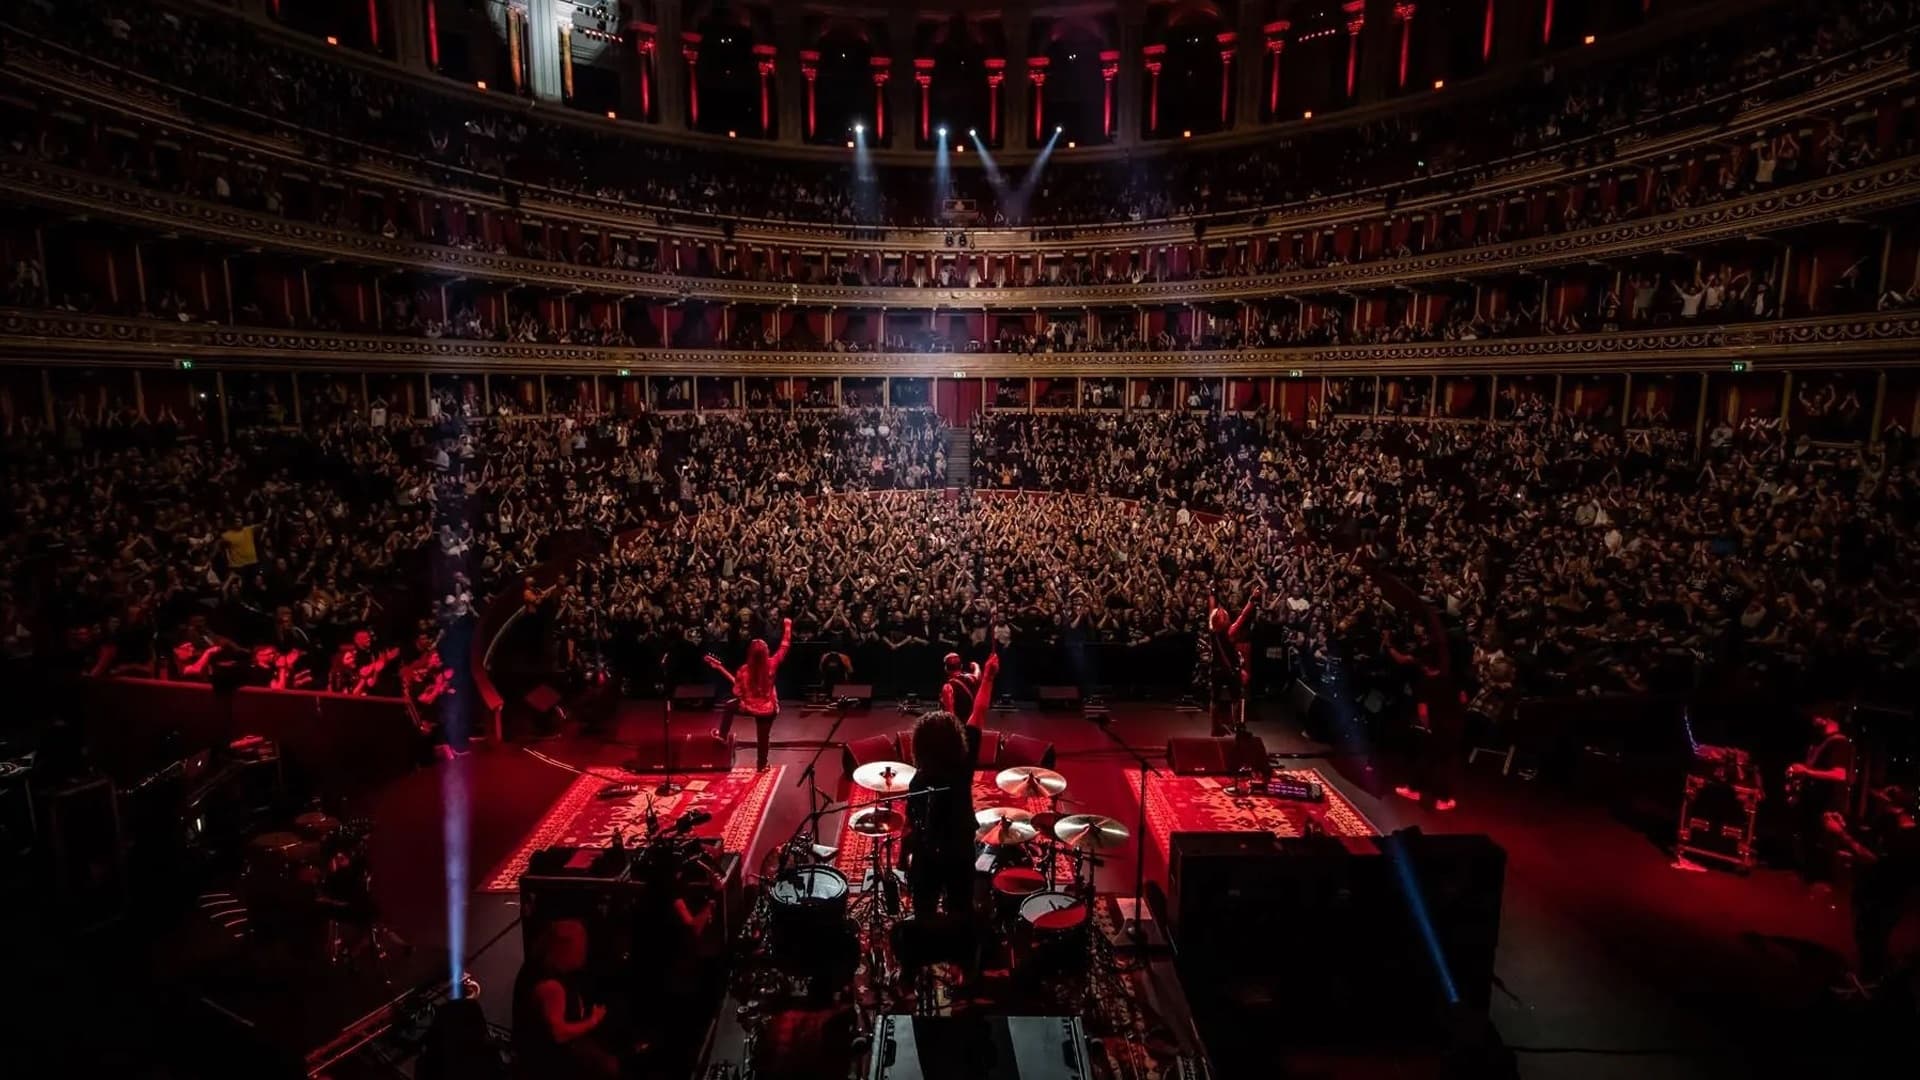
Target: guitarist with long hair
[{"x": 753, "y": 689}]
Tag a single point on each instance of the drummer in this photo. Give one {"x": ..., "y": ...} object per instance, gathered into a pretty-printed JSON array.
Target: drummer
[{"x": 939, "y": 846}]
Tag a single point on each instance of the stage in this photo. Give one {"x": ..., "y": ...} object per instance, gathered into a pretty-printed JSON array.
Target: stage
[{"x": 1608, "y": 957}]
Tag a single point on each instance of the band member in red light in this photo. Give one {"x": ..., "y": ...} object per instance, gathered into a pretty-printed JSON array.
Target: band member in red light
[
  {"x": 1229, "y": 664},
  {"x": 1440, "y": 712},
  {"x": 554, "y": 1026},
  {"x": 753, "y": 689},
  {"x": 967, "y": 695}
]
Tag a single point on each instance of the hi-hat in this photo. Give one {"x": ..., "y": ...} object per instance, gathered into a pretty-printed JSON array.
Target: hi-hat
[
  {"x": 1090, "y": 832},
  {"x": 878, "y": 821},
  {"x": 1032, "y": 781},
  {"x": 1002, "y": 826},
  {"x": 885, "y": 777}
]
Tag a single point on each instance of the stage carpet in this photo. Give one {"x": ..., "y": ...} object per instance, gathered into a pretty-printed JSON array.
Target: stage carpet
[
  {"x": 738, "y": 801},
  {"x": 1202, "y": 804}
]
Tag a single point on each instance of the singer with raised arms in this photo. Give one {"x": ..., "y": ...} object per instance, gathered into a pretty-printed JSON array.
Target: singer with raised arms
[
  {"x": 754, "y": 692},
  {"x": 1229, "y": 663}
]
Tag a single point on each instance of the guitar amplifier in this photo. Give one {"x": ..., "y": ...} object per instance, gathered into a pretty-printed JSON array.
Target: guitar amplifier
[{"x": 979, "y": 1048}]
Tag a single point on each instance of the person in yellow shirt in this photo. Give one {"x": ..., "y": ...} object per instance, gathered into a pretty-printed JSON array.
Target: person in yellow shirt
[{"x": 238, "y": 544}]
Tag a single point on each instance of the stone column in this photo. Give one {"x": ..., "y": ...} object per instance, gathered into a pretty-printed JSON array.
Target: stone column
[
  {"x": 544, "y": 59},
  {"x": 794, "y": 80},
  {"x": 1126, "y": 88},
  {"x": 670, "y": 70}
]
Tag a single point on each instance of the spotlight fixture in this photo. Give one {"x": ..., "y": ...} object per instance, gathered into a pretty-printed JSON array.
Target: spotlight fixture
[
  {"x": 331, "y": 40},
  {"x": 1308, "y": 115},
  {"x": 859, "y": 129},
  {"x": 732, "y": 134},
  {"x": 1439, "y": 84},
  {"x": 1589, "y": 40},
  {"x": 941, "y": 131},
  {"x": 611, "y": 115},
  {"x": 1187, "y": 134},
  {"x": 973, "y": 133},
  {"x": 480, "y": 84},
  {"x": 1057, "y": 129}
]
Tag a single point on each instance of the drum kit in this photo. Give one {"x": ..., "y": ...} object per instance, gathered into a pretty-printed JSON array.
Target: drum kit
[
  {"x": 1040, "y": 866},
  {"x": 314, "y": 875}
]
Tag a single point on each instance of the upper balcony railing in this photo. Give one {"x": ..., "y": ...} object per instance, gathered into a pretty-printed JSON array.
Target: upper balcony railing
[
  {"x": 1875, "y": 340},
  {"x": 1855, "y": 193},
  {"x": 1830, "y": 78}
]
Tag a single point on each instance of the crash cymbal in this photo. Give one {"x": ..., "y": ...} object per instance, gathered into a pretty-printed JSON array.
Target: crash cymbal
[
  {"x": 1006, "y": 829},
  {"x": 995, "y": 813},
  {"x": 878, "y": 821},
  {"x": 1090, "y": 832},
  {"x": 885, "y": 777},
  {"x": 1031, "y": 781}
]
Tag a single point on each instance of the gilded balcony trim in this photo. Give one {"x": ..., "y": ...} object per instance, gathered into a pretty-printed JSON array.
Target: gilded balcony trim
[
  {"x": 1861, "y": 191},
  {"x": 1881, "y": 340}
]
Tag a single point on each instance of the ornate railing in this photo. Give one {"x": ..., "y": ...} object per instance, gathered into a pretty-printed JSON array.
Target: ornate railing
[
  {"x": 1857, "y": 192},
  {"x": 1838, "y": 79},
  {"x": 1885, "y": 339}
]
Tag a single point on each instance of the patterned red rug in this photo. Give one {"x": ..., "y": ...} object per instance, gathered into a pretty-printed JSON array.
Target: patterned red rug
[
  {"x": 738, "y": 801},
  {"x": 1202, "y": 804}
]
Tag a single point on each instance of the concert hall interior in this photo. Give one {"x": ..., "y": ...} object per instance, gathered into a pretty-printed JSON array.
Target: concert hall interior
[{"x": 1012, "y": 539}]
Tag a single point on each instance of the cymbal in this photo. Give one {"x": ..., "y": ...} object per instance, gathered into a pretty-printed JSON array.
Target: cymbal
[
  {"x": 1004, "y": 827},
  {"x": 1030, "y": 780},
  {"x": 885, "y": 777},
  {"x": 878, "y": 821},
  {"x": 1090, "y": 832}
]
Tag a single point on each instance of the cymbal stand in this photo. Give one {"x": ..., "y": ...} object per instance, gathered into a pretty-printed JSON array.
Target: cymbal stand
[{"x": 875, "y": 910}]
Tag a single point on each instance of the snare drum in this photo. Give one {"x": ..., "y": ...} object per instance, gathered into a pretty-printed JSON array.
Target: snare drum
[
  {"x": 807, "y": 906},
  {"x": 1055, "y": 927},
  {"x": 1011, "y": 888}
]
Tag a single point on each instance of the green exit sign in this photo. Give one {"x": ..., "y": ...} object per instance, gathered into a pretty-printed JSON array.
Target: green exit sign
[{"x": 1740, "y": 366}]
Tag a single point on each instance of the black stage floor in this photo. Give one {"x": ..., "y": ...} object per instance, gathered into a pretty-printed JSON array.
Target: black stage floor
[{"x": 1611, "y": 963}]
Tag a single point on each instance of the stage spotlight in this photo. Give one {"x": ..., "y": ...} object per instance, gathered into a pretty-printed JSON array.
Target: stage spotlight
[
  {"x": 1057, "y": 129},
  {"x": 859, "y": 129},
  {"x": 941, "y": 131},
  {"x": 973, "y": 133}
]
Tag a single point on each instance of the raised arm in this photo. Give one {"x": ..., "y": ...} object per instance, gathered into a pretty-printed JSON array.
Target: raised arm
[
  {"x": 786, "y": 639},
  {"x": 1238, "y": 631},
  {"x": 983, "y": 697}
]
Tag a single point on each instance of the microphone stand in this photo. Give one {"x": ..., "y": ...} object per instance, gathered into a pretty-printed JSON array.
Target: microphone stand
[
  {"x": 818, "y": 800},
  {"x": 667, "y": 786},
  {"x": 1134, "y": 928}
]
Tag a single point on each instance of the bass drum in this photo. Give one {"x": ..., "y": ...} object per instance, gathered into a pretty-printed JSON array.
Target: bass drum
[
  {"x": 807, "y": 919},
  {"x": 1054, "y": 926}
]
